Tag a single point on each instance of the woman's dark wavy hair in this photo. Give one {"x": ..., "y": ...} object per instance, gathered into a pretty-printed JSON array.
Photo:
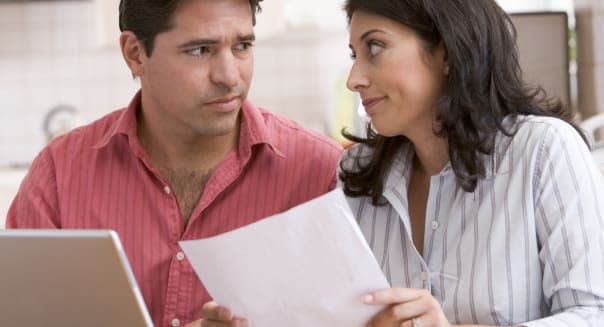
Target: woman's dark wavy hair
[
  {"x": 147, "y": 18},
  {"x": 484, "y": 85}
]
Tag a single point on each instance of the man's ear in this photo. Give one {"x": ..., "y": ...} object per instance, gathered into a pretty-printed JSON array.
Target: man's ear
[{"x": 133, "y": 52}]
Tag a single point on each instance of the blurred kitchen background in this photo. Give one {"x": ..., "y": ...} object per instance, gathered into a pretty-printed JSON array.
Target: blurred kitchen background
[{"x": 60, "y": 67}]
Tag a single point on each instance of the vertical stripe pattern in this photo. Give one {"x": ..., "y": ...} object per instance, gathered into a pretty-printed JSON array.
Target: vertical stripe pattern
[
  {"x": 98, "y": 176},
  {"x": 524, "y": 248}
]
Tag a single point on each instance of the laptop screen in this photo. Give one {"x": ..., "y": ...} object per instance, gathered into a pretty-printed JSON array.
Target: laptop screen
[{"x": 67, "y": 278}]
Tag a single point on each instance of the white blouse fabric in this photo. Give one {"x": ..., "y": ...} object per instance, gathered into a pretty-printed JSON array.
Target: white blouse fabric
[{"x": 526, "y": 247}]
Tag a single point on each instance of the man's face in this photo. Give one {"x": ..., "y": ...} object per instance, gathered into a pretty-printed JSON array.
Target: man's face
[{"x": 200, "y": 71}]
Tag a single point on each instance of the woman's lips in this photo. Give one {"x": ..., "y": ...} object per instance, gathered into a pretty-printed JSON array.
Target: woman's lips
[{"x": 371, "y": 102}]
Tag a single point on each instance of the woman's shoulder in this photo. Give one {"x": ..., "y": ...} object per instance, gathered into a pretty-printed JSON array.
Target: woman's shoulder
[
  {"x": 536, "y": 129},
  {"x": 536, "y": 136},
  {"x": 542, "y": 123},
  {"x": 550, "y": 139}
]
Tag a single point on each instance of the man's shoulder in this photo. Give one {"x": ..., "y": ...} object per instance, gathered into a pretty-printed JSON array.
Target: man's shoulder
[
  {"x": 289, "y": 131},
  {"x": 86, "y": 136}
]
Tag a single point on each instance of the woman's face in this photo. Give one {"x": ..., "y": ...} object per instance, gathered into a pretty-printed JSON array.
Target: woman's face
[{"x": 398, "y": 80}]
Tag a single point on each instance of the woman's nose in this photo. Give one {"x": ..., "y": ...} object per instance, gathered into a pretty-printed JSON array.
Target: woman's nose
[{"x": 357, "y": 79}]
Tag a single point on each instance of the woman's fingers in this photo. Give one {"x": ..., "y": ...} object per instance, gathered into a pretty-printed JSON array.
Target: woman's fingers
[
  {"x": 404, "y": 305},
  {"x": 394, "y": 295},
  {"x": 424, "y": 321},
  {"x": 396, "y": 314}
]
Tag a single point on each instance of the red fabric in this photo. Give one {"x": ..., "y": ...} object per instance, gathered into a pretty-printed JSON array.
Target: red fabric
[{"x": 99, "y": 177}]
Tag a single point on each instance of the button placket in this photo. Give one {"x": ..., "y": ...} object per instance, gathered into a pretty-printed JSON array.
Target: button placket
[
  {"x": 424, "y": 276},
  {"x": 435, "y": 225}
]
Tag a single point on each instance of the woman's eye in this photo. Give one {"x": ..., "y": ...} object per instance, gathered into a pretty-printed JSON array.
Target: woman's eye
[{"x": 375, "y": 48}]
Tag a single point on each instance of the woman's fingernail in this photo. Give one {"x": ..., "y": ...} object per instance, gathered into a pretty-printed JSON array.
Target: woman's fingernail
[{"x": 368, "y": 298}]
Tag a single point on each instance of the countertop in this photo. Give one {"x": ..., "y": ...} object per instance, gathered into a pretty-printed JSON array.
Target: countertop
[{"x": 10, "y": 179}]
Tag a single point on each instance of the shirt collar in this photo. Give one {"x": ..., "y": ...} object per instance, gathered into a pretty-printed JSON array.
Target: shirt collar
[
  {"x": 125, "y": 124},
  {"x": 400, "y": 172},
  {"x": 398, "y": 175},
  {"x": 400, "y": 169},
  {"x": 253, "y": 129}
]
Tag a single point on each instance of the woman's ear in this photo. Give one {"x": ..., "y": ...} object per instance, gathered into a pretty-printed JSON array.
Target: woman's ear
[
  {"x": 442, "y": 50},
  {"x": 133, "y": 52}
]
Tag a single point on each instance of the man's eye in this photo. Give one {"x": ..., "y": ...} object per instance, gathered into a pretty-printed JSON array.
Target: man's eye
[
  {"x": 198, "y": 51},
  {"x": 244, "y": 46}
]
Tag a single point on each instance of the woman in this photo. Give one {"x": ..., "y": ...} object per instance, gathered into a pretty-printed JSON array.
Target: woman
[{"x": 477, "y": 195}]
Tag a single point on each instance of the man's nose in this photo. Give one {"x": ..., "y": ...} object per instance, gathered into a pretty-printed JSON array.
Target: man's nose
[{"x": 225, "y": 70}]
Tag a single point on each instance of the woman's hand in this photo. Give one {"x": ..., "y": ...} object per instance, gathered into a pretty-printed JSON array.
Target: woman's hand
[
  {"x": 217, "y": 316},
  {"x": 405, "y": 306}
]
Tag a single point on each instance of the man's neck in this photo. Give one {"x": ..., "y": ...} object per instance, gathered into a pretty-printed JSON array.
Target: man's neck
[{"x": 182, "y": 152}]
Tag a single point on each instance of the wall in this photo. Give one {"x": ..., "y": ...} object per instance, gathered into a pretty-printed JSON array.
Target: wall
[
  {"x": 590, "y": 52},
  {"x": 536, "y": 5},
  {"x": 65, "y": 53},
  {"x": 50, "y": 56},
  {"x": 298, "y": 75}
]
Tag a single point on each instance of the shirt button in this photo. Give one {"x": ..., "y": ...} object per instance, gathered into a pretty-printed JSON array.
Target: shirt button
[
  {"x": 435, "y": 225},
  {"x": 167, "y": 190},
  {"x": 180, "y": 255},
  {"x": 424, "y": 276},
  {"x": 175, "y": 322}
]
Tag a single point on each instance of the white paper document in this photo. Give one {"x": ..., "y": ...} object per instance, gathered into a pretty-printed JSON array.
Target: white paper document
[{"x": 309, "y": 266}]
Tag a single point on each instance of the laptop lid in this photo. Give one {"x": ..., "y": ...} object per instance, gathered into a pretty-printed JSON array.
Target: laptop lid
[{"x": 67, "y": 278}]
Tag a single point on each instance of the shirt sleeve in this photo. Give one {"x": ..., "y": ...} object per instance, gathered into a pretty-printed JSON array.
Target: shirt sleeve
[
  {"x": 331, "y": 157},
  {"x": 36, "y": 203},
  {"x": 569, "y": 207}
]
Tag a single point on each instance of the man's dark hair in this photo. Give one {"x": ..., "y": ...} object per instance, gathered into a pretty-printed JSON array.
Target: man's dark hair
[
  {"x": 484, "y": 86},
  {"x": 147, "y": 18}
]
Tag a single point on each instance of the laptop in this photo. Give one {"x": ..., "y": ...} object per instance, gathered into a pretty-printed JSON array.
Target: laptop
[{"x": 67, "y": 278}]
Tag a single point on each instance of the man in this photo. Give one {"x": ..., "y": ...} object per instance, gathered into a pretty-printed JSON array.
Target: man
[{"x": 189, "y": 158}]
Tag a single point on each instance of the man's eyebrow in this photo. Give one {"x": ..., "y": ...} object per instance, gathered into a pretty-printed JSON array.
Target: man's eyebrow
[
  {"x": 198, "y": 43},
  {"x": 205, "y": 42},
  {"x": 247, "y": 37}
]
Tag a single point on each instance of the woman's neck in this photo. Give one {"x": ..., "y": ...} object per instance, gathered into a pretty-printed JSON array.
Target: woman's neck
[{"x": 431, "y": 154}]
